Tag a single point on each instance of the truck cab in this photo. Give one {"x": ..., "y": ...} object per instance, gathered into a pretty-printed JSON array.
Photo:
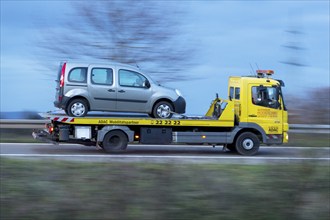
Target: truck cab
[{"x": 258, "y": 102}]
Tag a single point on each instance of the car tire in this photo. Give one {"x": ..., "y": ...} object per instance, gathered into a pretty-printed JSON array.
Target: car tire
[
  {"x": 114, "y": 141},
  {"x": 247, "y": 144},
  {"x": 162, "y": 109},
  {"x": 77, "y": 108}
]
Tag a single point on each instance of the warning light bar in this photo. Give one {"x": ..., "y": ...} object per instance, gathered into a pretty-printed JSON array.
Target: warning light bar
[{"x": 261, "y": 73}]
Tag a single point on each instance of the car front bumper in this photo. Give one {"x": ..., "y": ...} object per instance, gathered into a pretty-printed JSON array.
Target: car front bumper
[{"x": 180, "y": 105}]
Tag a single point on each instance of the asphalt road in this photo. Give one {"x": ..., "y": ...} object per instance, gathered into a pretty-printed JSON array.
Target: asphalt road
[{"x": 166, "y": 154}]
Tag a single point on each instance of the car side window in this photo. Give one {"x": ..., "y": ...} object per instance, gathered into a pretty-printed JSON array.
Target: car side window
[
  {"x": 78, "y": 75},
  {"x": 131, "y": 79},
  {"x": 102, "y": 76}
]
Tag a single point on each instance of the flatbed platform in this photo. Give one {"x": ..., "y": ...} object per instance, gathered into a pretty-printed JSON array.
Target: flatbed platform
[{"x": 144, "y": 121}]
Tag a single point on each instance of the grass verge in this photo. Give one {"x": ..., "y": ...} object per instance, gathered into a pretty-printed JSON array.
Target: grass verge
[{"x": 73, "y": 190}]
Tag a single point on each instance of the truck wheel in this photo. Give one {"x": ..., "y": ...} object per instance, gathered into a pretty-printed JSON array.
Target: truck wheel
[
  {"x": 115, "y": 141},
  {"x": 162, "y": 109},
  {"x": 77, "y": 108},
  {"x": 247, "y": 144}
]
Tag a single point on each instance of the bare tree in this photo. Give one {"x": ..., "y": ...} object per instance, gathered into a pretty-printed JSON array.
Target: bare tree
[{"x": 143, "y": 33}]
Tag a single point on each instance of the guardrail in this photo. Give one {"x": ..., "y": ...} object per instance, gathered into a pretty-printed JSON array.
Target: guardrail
[
  {"x": 22, "y": 123},
  {"x": 309, "y": 128},
  {"x": 32, "y": 123}
]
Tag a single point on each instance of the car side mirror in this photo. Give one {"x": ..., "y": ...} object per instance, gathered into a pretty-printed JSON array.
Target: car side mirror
[{"x": 146, "y": 84}]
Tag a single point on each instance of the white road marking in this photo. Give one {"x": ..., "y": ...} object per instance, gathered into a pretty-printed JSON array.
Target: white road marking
[{"x": 174, "y": 146}]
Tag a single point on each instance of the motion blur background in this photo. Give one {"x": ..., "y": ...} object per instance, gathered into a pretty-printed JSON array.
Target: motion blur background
[{"x": 190, "y": 45}]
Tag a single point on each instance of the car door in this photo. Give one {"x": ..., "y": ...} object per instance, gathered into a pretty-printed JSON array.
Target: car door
[
  {"x": 133, "y": 92},
  {"x": 102, "y": 88}
]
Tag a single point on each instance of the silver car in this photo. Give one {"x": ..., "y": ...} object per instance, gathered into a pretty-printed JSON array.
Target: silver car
[{"x": 113, "y": 87}]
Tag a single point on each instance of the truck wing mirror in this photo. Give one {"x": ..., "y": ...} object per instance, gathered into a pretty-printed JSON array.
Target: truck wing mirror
[{"x": 282, "y": 84}]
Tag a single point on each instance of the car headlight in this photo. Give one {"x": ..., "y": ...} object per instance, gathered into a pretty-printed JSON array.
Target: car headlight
[{"x": 178, "y": 92}]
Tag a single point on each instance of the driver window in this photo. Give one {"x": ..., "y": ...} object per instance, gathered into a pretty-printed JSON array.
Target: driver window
[
  {"x": 265, "y": 96},
  {"x": 131, "y": 79}
]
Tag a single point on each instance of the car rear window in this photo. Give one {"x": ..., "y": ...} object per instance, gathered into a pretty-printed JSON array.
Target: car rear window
[{"x": 78, "y": 74}]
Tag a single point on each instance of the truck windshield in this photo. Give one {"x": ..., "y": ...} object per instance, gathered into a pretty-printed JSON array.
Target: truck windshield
[{"x": 265, "y": 96}]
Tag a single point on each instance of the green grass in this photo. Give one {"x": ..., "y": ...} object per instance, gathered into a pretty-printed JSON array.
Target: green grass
[
  {"x": 52, "y": 189},
  {"x": 309, "y": 140}
]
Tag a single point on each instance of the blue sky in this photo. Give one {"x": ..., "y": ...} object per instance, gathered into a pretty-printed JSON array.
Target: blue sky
[{"x": 229, "y": 37}]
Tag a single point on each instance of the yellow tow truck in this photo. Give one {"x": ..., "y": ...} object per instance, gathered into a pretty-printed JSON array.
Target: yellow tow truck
[{"x": 254, "y": 114}]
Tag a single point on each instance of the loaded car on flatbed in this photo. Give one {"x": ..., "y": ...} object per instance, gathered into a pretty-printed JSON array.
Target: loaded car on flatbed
[{"x": 83, "y": 87}]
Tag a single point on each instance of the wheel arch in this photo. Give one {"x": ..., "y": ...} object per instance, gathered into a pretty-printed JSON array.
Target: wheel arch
[
  {"x": 160, "y": 100},
  {"x": 249, "y": 127},
  {"x": 78, "y": 97},
  {"x": 128, "y": 132}
]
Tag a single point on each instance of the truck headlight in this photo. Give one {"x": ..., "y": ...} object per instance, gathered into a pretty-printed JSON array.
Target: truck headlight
[{"x": 178, "y": 92}]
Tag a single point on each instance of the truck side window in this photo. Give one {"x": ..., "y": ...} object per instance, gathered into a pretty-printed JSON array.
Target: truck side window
[
  {"x": 265, "y": 96},
  {"x": 102, "y": 76},
  {"x": 237, "y": 93},
  {"x": 78, "y": 75},
  {"x": 231, "y": 93}
]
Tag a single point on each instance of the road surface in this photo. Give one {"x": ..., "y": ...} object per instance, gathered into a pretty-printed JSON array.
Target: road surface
[{"x": 165, "y": 154}]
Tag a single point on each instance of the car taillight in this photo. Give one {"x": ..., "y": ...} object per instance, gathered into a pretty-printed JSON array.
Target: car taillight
[{"x": 62, "y": 75}]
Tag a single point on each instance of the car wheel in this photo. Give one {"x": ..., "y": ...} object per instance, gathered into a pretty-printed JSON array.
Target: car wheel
[
  {"x": 162, "y": 109},
  {"x": 77, "y": 108},
  {"x": 247, "y": 144},
  {"x": 114, "y": 141}
]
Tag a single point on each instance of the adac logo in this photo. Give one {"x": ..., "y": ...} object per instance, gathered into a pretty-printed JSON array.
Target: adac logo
[{"x": 273, "y": 129}]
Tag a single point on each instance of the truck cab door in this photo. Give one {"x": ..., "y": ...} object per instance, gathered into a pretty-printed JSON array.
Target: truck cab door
[{"x": 264, "y": 107}]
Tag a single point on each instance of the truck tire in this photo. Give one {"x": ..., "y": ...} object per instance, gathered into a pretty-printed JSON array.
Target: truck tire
[
  {"x": 77, "y": 108},
  {"x": 162, "y": 109},
  {"x": 247, "y": 144},
  {"x": 115, "y": 141}
]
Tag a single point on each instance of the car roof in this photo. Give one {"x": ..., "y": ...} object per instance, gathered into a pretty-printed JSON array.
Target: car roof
[{"x": 82, "y": 64}]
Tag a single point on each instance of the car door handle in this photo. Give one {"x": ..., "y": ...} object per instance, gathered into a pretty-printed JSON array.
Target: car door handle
[
  {"x": 121, "y": 91},
  {"x": 111, "y": 90},
  {"x": 253, "y": 116}
]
